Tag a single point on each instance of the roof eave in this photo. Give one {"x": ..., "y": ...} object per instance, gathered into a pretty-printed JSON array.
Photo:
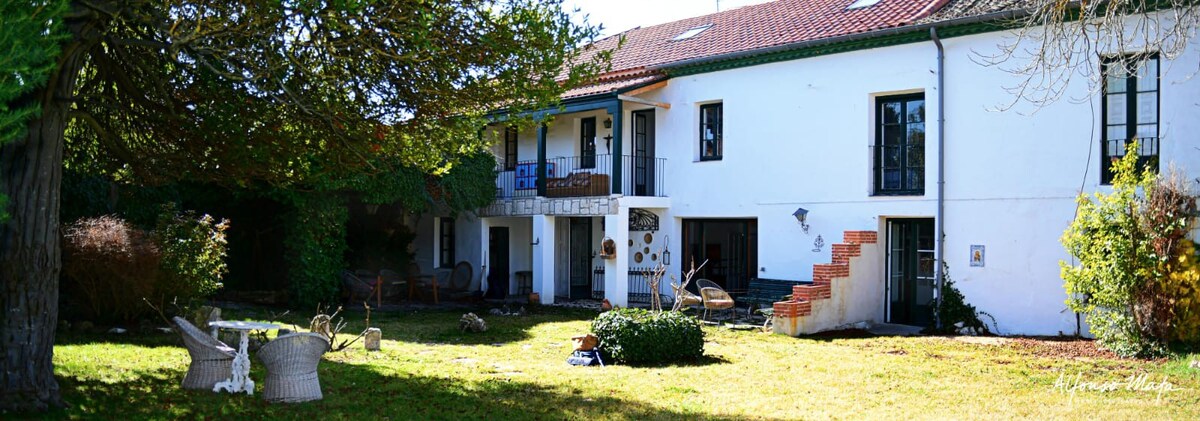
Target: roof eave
[{"x": 700, "y": 64}]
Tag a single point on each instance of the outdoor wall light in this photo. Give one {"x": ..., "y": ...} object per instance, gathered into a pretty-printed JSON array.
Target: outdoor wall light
[
  {"x": 666, "y": 253},
  {"x": 608, "y": 123},
  {"x": 801, "y": 215}
]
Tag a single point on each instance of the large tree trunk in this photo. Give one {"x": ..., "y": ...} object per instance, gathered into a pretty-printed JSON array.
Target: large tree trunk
[{"x": 30, "y": 175}]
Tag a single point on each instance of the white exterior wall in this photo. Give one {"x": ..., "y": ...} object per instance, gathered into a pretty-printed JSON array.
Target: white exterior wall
[{"x": 797, "y": 134}]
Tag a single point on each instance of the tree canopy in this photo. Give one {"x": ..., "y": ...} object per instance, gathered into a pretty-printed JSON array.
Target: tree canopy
[{"x": 297, "y": 93}]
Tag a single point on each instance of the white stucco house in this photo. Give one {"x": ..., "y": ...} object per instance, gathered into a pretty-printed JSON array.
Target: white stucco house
[{"x": 710, "y": 134}]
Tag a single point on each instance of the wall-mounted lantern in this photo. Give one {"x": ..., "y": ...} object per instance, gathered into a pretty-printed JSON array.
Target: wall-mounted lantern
[
  {"x": 608, "y": 123},
  {"x": 801, "y": 215}
]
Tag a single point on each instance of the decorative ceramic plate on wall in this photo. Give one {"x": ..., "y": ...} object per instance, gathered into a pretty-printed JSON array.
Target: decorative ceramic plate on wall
[
  {"x": 637, "y": 257},
  {"x": 649, "y": 238}
]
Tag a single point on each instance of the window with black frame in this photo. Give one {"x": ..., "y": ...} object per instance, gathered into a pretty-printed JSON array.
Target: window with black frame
[
  {"x": 446, "y": 242},
  {"x": 900, "y": 145},
  {"x": 510, "y": 148},
  {"x": 1130, "y": 111},
  {"x": 711, "y": 132},
  {"x": 587, "y": 142}
]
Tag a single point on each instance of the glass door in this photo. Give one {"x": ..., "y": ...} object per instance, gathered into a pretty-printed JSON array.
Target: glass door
[
  {"x": 911, "y": 265},
  {"x": 643, "y": 153},
  {"x": 729, "y": 245}
]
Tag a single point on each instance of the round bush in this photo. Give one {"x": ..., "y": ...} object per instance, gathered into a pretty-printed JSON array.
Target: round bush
[{"x": 634, "y": 335}]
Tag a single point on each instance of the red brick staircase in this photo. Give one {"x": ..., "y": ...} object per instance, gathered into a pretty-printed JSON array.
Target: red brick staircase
[{"x": 803, "y": 296}]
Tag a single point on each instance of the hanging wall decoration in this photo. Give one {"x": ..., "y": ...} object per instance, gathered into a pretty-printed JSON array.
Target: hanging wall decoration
[
  {"x": 608, "y": 249},
  {"x": 642, "y": 220}
]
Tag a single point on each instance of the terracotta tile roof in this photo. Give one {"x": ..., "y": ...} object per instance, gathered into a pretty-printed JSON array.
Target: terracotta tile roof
[
  {"x": 756, "y": 27},
  {"x": 612, "y": 85},
  {"x": 955, "y": 9}
]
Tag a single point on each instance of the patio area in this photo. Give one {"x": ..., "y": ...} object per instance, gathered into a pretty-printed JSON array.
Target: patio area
[{"x": 429, "y": 369}]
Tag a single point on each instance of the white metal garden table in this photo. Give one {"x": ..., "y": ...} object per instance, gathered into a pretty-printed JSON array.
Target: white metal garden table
[{"x": 239, "y": 380}]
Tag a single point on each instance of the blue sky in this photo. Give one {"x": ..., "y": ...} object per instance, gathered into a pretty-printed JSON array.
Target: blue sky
[{"x": 620, "y": 15}]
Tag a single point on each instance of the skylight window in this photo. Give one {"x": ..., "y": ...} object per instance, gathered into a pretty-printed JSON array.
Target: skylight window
[
  {"x": 694, "y": 31},
  {"x": 859, "y": 4}
]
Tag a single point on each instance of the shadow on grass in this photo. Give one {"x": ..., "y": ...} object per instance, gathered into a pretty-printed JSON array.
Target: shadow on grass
[
  {"x": 351, "y": 391},
  {"x": 706, "y": 360},
  {"x": 833, "y": 335},
  {"x": 425, "y": 326},
  {"x": 440, "y": 326}
]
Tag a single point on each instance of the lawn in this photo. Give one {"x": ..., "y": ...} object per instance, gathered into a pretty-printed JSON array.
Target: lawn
[{"x": 428, "y": 369}]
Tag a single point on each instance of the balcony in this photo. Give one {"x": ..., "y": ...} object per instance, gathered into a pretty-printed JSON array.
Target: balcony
[{"x": 583, "y": 176}]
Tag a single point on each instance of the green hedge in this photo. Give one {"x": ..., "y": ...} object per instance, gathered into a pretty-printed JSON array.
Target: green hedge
[{"x": 633, "y": 335}]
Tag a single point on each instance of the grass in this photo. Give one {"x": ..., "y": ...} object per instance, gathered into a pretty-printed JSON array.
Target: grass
[{"x": 428, "y": 369}]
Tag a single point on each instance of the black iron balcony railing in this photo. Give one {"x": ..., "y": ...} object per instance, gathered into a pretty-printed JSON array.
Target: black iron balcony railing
[
  {"x": 582, "y": 176},
  {"x": 899, "y": 169},
  {"x": 1115, "y": 149}
]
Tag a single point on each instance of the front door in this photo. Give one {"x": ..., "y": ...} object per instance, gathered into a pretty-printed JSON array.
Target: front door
[
  {"x": 911, "y": 271},
  {"x": 497, "y": 262},
  {"x": 643, "y": 153},
  {"x": 581, "y": 258}
]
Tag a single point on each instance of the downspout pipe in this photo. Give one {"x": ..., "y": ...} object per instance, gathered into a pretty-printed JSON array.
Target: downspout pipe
[{"x": 940, "y": 219}]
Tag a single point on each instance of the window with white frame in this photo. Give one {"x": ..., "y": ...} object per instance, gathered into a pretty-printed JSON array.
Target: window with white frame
[
  {"x": 711, "y": 132},
  {"x": 900, "y": 145},
  {"x": 446, "y": 242},
  {"x": 510, "y": 148}
]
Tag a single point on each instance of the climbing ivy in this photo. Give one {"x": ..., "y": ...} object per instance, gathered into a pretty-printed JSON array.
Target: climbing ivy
[
  {"x": 955, "y": 313},
  {"x": 315, "y": 245}
]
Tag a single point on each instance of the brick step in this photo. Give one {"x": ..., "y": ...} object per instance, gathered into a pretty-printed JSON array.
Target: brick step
[
  {"x": 842, "y": 252},
  {"x": 823, "y": 273},
  {"x": 860, "y": 237},
  {"x": 794, "y": 308},
  {"x": 812, "y": 292}
]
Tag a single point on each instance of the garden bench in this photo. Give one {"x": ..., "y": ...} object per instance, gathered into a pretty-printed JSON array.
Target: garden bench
[{"x": 767, "y": 291}]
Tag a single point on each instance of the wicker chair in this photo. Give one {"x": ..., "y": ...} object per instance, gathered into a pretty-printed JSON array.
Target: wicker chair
[
  {"x": 363, "y": 285},
  {"x": 714, "y": 297},
  {"x": 392, "y": 283},
  {"x": 291, "y": 363},
  {"x": 212, "y": 360},
  {"x": 417, "y": 282}
]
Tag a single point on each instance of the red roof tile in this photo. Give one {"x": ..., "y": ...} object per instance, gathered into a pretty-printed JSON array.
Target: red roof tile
[
  {"x": 611, "y": 86},
  {"x": 755, "y": 27}
]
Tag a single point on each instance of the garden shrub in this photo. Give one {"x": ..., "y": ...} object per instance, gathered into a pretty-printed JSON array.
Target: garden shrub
[
  {"x": 192, "y": 250},
  {"x": 1136, "y": 278},
  {"x": 640, "y": 336},
  {"x": 112, "y": 266},
  {"x": 316, "y": 247}
]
